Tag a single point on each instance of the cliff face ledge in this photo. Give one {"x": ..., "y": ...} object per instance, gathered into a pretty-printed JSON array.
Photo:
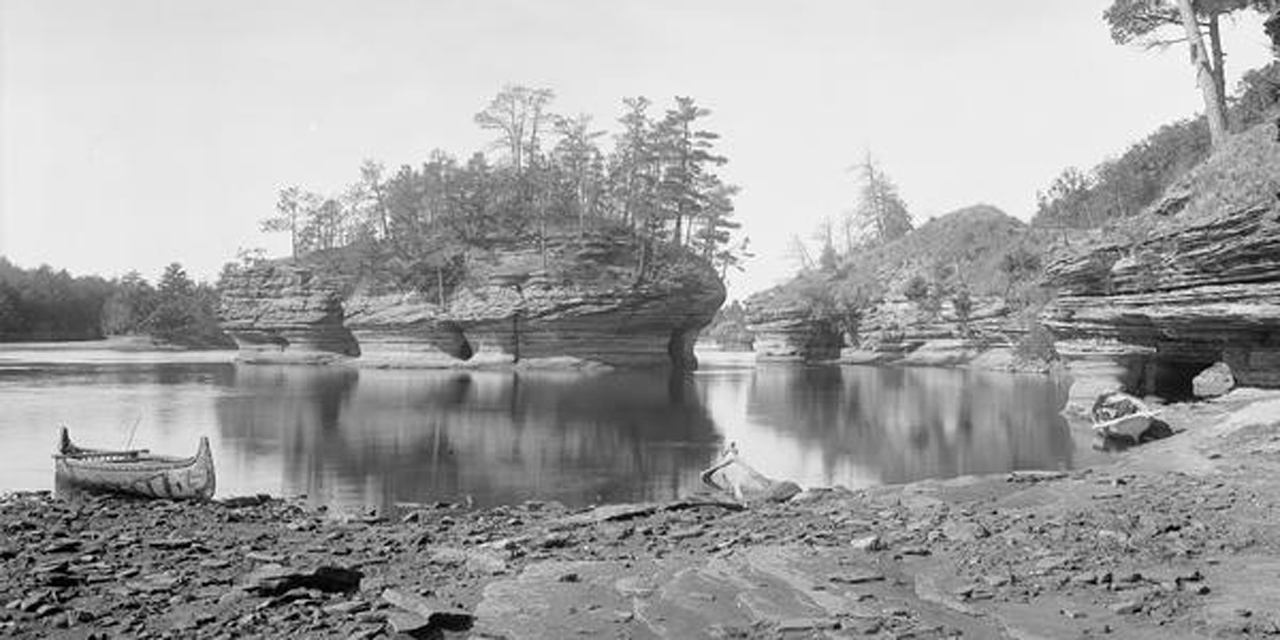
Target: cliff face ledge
[
  {"x": 965, "y": 248},
  {"x": 1197, "y": 294},
  {"x": 891, "y": 331},
  {"x": 1195, "y": 278},
  {"x": 787, "y": 331},
  {"x": 579, "y": 306},
  {"x": 276, "y": 312}
]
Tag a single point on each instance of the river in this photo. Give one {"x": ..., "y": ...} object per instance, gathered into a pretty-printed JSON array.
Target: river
[{"x": 357, "y": 439}]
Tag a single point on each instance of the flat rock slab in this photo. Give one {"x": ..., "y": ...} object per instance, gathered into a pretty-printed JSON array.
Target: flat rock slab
[
  {"x": 557, "y": 599},
  {"x": 621, "y": 512},
  {"x": 777, "y": 590}
]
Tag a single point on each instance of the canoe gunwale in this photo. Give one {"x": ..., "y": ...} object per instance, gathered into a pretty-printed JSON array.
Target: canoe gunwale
[
  {"x": 1108, "y": 428},
  {"x": 136, "y": 472}
]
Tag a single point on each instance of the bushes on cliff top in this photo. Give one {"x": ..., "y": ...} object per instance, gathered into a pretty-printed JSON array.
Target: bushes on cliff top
[
  {"x": 968, "y": 249},
  {"x": 1124, "y": 186},
  {"x": 420, "y": 224},
  {"x": 1244, "y": 173}
]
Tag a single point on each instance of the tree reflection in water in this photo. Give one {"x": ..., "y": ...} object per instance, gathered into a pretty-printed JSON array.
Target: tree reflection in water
[
  {"x": 352, "y": 438},
  {"x": 376, "y": 437},
  {"x": 865, "y": 425}
]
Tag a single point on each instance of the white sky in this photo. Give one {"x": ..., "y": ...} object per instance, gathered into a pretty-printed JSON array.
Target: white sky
[{"x": 134, "y": 133}]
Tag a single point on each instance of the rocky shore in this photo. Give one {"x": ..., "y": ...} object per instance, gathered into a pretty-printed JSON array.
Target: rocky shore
[{"x": 1174, "y": 539}]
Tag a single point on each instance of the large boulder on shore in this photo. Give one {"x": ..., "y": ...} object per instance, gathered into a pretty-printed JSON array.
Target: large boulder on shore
[
  {"x": 1213, "y": 382},
  {"x": 578, "y": 302}
]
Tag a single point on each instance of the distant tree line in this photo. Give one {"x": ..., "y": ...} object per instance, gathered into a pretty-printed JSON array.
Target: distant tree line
[
  {"x": 176, "y": 310},
  {"x": 729, "y": 328},
  {"x": 658, "y": 181},
  {"x": 44, "y": 304}
]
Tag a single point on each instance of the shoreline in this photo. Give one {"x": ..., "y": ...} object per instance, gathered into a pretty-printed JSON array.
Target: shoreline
[{"x": 1172, "y": 539}]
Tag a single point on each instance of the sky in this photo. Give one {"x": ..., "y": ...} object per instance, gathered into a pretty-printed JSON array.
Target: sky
[{"x": 135, "y": 133}]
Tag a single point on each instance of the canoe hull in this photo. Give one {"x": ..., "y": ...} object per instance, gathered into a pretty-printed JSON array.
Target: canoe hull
[
  {"x": 735, "y": 477},
  {"x": 139, "y": 475},
  {"x": 1131, "y": 426}
]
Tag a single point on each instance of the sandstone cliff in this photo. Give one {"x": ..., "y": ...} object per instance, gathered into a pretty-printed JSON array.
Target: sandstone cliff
[
  {"x": 284, "y": 312},
  {"x": 1196, "y": 277},
  {"x": 786, "y": 329},
  {"x": 580, "y": 306},
  {"x": 963, "y": 250}
]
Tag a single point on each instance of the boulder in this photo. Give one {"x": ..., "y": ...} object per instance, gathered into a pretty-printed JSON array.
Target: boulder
[
  {"x": 274, "y": 579},
  {"x": 1215, "y": 381},
  {"x": 424, "y": 614}
]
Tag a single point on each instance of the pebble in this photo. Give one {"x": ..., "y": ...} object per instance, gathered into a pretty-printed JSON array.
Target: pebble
[
  {"x": 858, "y": 577},
  {"x": 964, "y": 531},
  {"x": 868, "y": 543},
  {"x": 1126, "y": 607},
  {"x": 346, "y": 608}
]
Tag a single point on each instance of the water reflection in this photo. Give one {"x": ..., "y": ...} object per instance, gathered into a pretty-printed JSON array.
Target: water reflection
[
  {"x": 379, "y": 437},
  {"x": 354, "y": 438},
  {"x": 865, "y": 425}
]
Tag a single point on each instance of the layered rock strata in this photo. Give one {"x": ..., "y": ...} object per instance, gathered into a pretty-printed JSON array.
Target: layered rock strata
[
  {"x": 278, "y": 312},
  {"x": 580, "y": 305},
  {"x": 894, "y": 331},
  {"x": 789, "y": 332},
  {"x": 1195, "y": 293},
  {"x": 1194, "y": 279}
]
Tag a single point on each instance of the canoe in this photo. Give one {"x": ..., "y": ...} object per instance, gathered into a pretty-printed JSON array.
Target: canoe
[
  {"x": 135, "y": 472},
  {"x": 735, "y": 477},
  {"x": 1119, "y": 415},
  {"x": 1130, "y": 426}
]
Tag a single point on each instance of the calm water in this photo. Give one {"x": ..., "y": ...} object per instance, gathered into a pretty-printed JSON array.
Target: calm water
[{"x": 359, "y": 438}]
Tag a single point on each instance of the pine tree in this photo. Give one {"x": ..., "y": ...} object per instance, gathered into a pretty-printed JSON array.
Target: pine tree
[
  {"x": 881, "y": 215},
  {"x": 687, "y": 157}
]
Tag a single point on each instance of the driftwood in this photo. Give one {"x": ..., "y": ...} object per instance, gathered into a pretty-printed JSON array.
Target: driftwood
[{"x": 731, "y": 475}]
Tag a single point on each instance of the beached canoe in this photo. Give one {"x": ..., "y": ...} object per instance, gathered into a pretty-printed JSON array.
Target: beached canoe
[
  {"x": 135, "y": 472},
  {"x": 1120, "y": 415},
  {"x": 735, "y": 477},
  {"x": 1131, "y": 426}
]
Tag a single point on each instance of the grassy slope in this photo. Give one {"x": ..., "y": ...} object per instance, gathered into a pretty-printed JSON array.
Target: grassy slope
[
  {"x": 1245, "y": 171},
  {"x": 970, "y": 242}
]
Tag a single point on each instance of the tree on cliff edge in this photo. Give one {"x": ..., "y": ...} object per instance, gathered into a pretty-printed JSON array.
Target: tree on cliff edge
[
  {"x": 881, "y": 215},
  {"x": 289, "y": 216},
  {"x": 688, "y": 175},
  {"x": 1144, "y": 20}
]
